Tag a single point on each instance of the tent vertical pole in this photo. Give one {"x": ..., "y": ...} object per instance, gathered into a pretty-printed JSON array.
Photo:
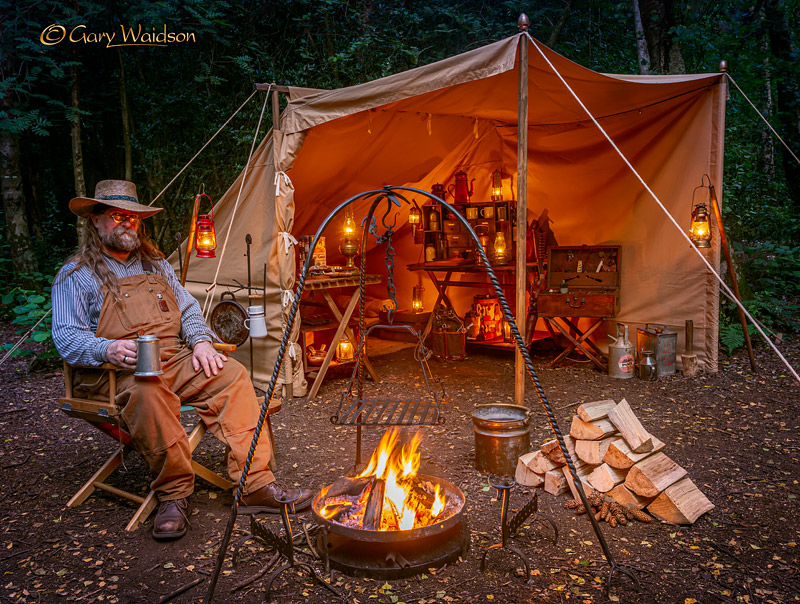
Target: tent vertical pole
[{"x": 522, "y": 205}]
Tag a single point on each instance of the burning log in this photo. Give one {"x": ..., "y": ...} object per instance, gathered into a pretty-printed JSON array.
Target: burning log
[
  {"x": 348, "y": 486},
  {"x": 374, "y": 507}
]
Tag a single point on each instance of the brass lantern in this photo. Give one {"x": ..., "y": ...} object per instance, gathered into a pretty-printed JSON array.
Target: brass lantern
[
  {"x": 700, "y": 230},
  {"x": 344, "y": 350},
  {"x": 500, "y": 249},
  {"x": 349, "y": 246},
  {"x": 497, "y": 186},
  {"x": 417, "y": 305}
]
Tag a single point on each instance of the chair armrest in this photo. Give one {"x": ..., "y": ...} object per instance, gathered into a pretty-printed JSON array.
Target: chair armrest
[{"x": 112, "y": 379}]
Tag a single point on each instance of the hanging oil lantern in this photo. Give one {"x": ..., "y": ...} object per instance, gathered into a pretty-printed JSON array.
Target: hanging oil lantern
[
  {"x": 700, "y": 232},
  {"x": 414, "y": 216},
  {"x": 344, "y": 350},
  {"x": 349, "y": 245},
  {"x": 205, "y": 241}
]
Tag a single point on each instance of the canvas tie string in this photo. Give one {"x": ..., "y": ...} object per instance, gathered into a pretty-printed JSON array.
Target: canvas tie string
[
  {"x": 663, "y": 208},
  {"x": 288, "y": 241},
  {"x": 281, "y": 175},
  {"x": 286, "y": 297}
]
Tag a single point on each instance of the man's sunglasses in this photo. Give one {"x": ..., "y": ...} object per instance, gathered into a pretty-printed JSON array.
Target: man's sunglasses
[{"x": 119, "y": 218}]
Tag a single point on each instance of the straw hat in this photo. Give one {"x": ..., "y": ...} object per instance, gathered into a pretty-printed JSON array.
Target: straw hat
[{"x": 119, "y": 194}]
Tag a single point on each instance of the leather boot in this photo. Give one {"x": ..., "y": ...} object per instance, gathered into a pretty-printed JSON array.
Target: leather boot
[
  {"x": 268, "y": 497},
  {"x": 170, "y": 521}
]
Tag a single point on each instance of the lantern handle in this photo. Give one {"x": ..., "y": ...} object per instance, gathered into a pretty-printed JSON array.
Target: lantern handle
[
  {"x": 211, "y": 201},
  {"x": 702, "y": 185}
]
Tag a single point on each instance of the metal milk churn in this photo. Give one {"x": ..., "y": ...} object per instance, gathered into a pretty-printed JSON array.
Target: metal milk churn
[
  {"x": 663, "y": 343},
  {"x": 620, "y": 354},
  {"x": 647, "y": 365}
]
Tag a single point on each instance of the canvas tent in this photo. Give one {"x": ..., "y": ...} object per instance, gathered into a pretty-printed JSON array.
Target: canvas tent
[{"x": 419, "y": 127}]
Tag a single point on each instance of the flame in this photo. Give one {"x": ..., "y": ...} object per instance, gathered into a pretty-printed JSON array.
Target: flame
[
  {"x": 398, "y": 466},
  {"x": 438, "y": 503}
]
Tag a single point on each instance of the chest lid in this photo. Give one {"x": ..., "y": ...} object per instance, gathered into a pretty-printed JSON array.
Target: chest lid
[{"x": 587, "y": 267}]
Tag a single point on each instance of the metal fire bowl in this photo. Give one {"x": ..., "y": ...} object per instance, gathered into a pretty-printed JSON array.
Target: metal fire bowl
[{"x": 451, "y": 492}]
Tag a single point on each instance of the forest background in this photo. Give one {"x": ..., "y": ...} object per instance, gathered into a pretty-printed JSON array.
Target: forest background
[{"x": 73, "y": 113}]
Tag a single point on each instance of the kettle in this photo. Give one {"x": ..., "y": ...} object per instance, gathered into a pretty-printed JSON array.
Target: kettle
[
  {"x": 647, "y": 365},
  {"x": 620, "y": 354},
  {"x": 460, "y": 191},
  {"x": 439, "y": 191}
]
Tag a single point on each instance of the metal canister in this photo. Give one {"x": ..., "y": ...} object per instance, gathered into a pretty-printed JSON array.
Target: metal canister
[
  {"x": 662, "y": 342},
  {"x": 620, "y": 354},
  {"x": 502, "y": 434},
  {"x": 148, "y": 357},
  {"x": 647, "y": 365}
]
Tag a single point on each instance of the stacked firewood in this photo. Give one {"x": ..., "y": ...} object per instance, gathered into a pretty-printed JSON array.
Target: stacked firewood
[{"x": 617, "y": 460}]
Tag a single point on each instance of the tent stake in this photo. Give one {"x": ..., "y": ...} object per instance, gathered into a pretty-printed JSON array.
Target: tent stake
[{"x": 522, "y": 204}]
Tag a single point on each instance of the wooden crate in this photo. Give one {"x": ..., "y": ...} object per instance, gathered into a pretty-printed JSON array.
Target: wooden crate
[{"x": 592, "y": 291}]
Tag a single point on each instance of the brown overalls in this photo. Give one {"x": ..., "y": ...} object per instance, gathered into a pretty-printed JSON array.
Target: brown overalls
[{"x": 226, "y": 402}]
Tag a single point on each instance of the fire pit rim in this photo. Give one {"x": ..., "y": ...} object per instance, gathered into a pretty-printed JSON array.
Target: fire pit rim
[{"x": 359, "y": 534}]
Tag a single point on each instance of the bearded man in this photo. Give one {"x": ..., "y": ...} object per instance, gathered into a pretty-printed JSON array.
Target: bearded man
[{"x": 119, "y": 284}]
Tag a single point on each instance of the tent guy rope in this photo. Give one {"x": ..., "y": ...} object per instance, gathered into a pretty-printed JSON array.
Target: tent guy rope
[
  {"x": 210, "y": 289},
  {"x": 761, "y": 115},
  {"x": 208, "y": 142},
  {"x": 661, "y": 205}
]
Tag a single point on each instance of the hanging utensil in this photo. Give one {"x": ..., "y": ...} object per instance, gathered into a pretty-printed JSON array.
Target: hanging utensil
[{"x": 227, "y": 320}]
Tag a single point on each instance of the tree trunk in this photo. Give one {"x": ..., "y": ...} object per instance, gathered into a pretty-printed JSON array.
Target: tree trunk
[
  {"x": 562, "y": 21},
  {"x": 788, "y": 93},
  {"x": 75, "y": 131},
  {"x": 17, "y": 233},
  {"x": 126, "y": 120},
  {"x": 657, "y": 21},
  {"x": 642, "y": 56}
]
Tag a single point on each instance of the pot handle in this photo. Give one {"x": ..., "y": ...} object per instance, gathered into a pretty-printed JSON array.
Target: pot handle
[{"x": 223, "y": 294}]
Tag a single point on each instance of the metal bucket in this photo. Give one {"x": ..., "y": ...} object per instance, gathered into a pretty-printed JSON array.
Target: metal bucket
[{"x": 502, "y": 434}]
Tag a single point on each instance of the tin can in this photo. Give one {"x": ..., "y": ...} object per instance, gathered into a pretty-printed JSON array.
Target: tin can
[{"x": 663, "y": 343}]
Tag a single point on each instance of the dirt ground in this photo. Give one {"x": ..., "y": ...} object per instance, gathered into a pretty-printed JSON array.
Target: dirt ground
[{"x": 735, "y": 432}]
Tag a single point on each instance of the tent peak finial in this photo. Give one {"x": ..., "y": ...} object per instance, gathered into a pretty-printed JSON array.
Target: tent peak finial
[
  {"x": 523, "y": 23},
  {"x": 723, "y": 66}
]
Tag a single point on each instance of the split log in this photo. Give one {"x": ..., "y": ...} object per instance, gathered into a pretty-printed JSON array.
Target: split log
[
  {"x": 627, "y": 498},
  {"x": 540, "y": 463},
  {"x": 525, "y": 476},
  {"x": 619, "y": 454},
  {"x": 374, "y": 507},
  {"x": 631, "y": 428},
  {"x": 593, "y": 451},
  {"x": 587, "y": 488},
  {"x": 589, "y": 412},
  {"x": 653, "y": 474},
  {"x": 581, "y": 430},
  {"x": 553, "y": 451},
  {"x": 555, "y": 483},
  {"x": 680, "y": 503},
  {"x": 604, "y": 478},
  {"x": 348, "y": 486}
]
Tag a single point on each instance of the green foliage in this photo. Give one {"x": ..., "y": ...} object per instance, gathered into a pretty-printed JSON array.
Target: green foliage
[{"x": 26, "y": 308}]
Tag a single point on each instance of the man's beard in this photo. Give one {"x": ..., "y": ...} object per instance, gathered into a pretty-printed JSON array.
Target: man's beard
[{"x": 117, "y": 241}]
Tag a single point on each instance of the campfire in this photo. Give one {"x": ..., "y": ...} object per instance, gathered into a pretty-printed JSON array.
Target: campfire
[{"x": 389, "y": 495}]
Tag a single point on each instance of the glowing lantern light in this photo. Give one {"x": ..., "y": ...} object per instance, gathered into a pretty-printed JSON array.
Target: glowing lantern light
[
  {"x": 497, "y": 186},
  {"x": 206, "y": 240},
  {"x": 500, "y": 250},
  {"x": 344, "y": 350},
  {"x": 416, "y": 299},
  {"x": 700, "y": 232}
]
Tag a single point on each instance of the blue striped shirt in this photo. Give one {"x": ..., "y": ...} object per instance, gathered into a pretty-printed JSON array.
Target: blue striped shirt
[{"x": 77, "y": 300}]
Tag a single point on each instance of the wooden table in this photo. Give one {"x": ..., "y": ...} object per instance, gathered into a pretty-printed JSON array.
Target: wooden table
[
  {"x": 505, "y": 275},
  {"x": 324, "y": 285}
]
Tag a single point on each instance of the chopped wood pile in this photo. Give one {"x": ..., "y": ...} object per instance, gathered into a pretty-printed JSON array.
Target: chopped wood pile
[{"x": 617, "y": 461}]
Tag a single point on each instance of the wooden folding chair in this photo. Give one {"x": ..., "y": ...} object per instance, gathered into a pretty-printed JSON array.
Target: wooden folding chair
[{"x": 105, "y": 416}]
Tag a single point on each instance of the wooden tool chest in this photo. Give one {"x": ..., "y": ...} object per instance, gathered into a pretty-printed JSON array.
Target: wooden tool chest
[{"x": 582, "y": 281}]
